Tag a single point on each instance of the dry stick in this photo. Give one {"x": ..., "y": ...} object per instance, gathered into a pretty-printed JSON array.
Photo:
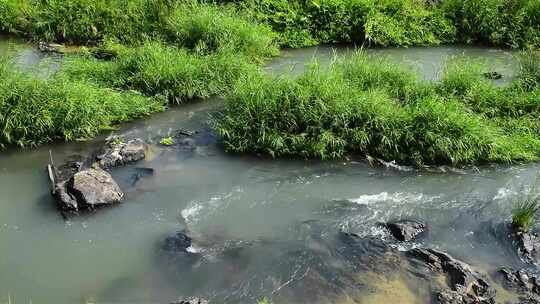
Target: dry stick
[{"x": 52, "y": 173}]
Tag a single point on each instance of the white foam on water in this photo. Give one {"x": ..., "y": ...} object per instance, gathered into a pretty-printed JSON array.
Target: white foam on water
[
  {"x": 503, "y": 193},
  {"x": 196, "y": 210},
  {"x": 396, "y": 197}
]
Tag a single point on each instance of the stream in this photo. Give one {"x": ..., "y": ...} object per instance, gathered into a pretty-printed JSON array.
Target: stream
[{"x": 261, "y": 228}]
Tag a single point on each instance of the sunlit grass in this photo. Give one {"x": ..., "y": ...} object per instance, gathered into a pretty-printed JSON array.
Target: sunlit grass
[{"x": 366, "y": 105}]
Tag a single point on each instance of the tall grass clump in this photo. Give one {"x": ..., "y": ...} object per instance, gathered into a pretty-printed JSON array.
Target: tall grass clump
[
  {"x": 36, "y": 110},
  {"x": 210, "y": 28},
  {"x": 524, "y": 214},
  {"x": 156, "y": 69},
  {"x": 530, "y": 69},
  {"x": 366, "y": 106}
]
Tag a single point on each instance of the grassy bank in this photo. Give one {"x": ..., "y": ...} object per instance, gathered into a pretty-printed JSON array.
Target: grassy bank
[
  {"x": 370, "y": 106},
  {"x": 162, "y": 49},
  {"x": 401, "y": 22},
  {"x": 176, "y": 50},
  {"x": 159, "y": 70},
  {"x": 298, "y": 23},
  {"x": 35, "y": 111}
]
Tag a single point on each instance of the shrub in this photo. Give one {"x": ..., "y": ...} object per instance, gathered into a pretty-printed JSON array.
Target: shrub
[
  {"x": 404, "y": 23},
  {"x": 512, "y": 23},
  {"x": 35, "y": 111}
]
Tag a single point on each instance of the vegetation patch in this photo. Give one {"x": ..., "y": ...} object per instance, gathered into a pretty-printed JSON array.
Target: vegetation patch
[
  {"x": 368, "y": 105},
  {"x": 156, "y": 69},
  {"x": 35, "y": 111},
  {"x": 524, "y": 214}
]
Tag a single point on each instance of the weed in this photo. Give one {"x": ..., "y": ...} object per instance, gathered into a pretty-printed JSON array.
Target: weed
[
  {"x": 167, "y": 141},
  {"x": 524, "y": 214}
]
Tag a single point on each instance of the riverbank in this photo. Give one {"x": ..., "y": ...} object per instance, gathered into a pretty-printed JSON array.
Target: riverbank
[
  {"x": 185, "y": 50},
  {"x": 367, "y": 105}
]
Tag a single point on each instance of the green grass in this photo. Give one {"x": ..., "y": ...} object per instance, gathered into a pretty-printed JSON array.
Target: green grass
[
  {"x": 209, "y": 29},
  {"x": 35, "y": 111},
  {"x": 156, "y": 69},
  {"x": 524, "y": 214},
  {"x": 364, "y": 105},
  {"x": 167, "y": 141},
  {"x": 511, "y": 23}
]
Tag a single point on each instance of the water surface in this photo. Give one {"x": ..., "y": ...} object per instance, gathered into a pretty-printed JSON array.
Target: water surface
[{"x": 263, "y": 227}]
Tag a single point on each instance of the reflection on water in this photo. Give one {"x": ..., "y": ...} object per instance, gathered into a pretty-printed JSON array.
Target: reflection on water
[{"x": 261, "y": 227}]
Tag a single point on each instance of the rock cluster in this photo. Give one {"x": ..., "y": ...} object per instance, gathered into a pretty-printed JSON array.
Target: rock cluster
[
  {"x": 465, "y": 284},
  {"x": 528, "y": 245},
  {"x": 406, "y": 230},
  {"x": 85, "y": 185}
]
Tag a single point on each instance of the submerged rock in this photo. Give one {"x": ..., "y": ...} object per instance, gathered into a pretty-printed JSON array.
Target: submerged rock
[
  {"x": 466, "y": 285},
  {"x": 119, "y": 154},
  {"x": 493, "y": 75},
  {"x": 522, "y": 280},
  {"x": 141, "y": 173},
  {"x": 50, "y": 47},
  {"x": 406, "y": 230},
  {"x": 178, "y": 242},
  {"x": 190, "y": 301},
  {"x": 88, "y": 189},
  {"x": 528, "y": 245}
]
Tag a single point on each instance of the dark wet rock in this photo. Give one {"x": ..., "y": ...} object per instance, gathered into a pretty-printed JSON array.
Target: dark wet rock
[
  {"x": 522, "y": 280},
  {"x": 88, "y": 189},
  {"x": 190, "y": 301},
  {"x": 141, "y": 173},
  {"x": 406, "y": 230},
  {"x": 104, "y": 54},
  {"x": 466, "y": 285},
  {"x": 528, "y": 300},
  {"x": 187, "y": 144},
  {"x": 492, "y": 75},
  {"x": 50, "y": 47},
  {"x": 178, "y": 242},
  {"x": 528, "y": 245},
  {"x": 184, "y": 132},
  {"x": 454, "y": 297},
  {"x": 119, "y": 154}
]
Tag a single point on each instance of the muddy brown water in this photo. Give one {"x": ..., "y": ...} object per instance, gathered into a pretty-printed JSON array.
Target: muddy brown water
[{"x": 261, "y": 227}]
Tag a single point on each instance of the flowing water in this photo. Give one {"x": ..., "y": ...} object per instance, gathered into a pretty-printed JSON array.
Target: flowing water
[{"x": 261, "y": 227}]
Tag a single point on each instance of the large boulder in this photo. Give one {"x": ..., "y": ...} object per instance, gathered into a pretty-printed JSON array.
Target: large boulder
[
  {"x": 119, "y": 154},
  {"x": 466, "y": 285},
  {"x": 88, "y": 189},
  {"x": 406, "y": 230}
]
